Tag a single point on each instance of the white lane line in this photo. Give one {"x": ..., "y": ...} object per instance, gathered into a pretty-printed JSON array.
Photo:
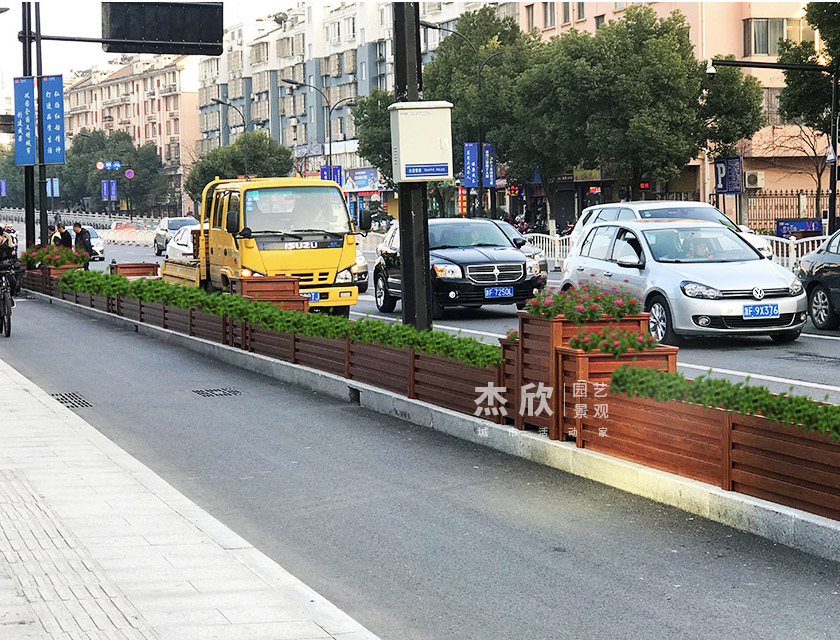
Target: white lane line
[
  {"x": 447, "y": 327},
  {"x": 762, "y": 377},
  {"x": 827, "y": 338}
]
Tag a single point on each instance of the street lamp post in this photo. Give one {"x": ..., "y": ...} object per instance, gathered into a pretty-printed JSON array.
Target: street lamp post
[
  {"x": 481, "y": 63},
  {"x": 833, "y": 70},
  {"x": 245, "y": 125}
]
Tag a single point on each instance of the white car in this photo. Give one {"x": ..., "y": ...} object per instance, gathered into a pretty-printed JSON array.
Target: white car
[
  {"x": 181, "y": 245},
  {"x": 675, "y": 209},
  {"x": 96, "y": 241}
]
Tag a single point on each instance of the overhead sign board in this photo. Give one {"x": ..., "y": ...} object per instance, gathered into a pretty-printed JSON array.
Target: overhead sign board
[
  {"x": 172, "y": 27},
  {"x": 728, "y": 175},
  {"x": 52, "y": 88},
  {"x": 421, "y": 140},
  {"x": 25, "y": 121}
]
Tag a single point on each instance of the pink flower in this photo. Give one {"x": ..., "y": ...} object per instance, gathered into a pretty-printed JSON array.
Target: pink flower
[
  {"x": 579, "y": 308},
  {"x": 593, "y": 307},
  {"x": 640, "y": 339},
  {"x": 586, "y": 339},
  {"x": 547, "y": 302},
  {"x": 616, "y": 343},
  {"x": 632, "y": 301},
  {"x": 619, "y": 302}
]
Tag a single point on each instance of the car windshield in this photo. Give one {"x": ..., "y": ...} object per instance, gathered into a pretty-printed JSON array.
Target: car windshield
[
  {"x": 289, "y": 209},
  {"x": 688, "y": 212},
  {"x": 177, "y": 223},
  {"x": 510, "y": 231},
  {"x": 472, "y": 234},
  {"x": 92, "y": 232},
  {"x": 698, "y": 245}
]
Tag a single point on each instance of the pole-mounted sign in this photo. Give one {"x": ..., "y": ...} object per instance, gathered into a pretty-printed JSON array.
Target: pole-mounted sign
[{"x": 25, "y": 121}]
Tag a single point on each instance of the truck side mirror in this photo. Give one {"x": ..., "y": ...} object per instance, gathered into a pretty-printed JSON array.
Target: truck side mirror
[
  {"x": 519, "y": 242},
  {"x": 364, "y": 220},
  {"x": 232, "y": 222}
]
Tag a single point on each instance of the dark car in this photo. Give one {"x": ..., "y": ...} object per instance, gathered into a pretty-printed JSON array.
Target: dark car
[
  {"x": 526, "y": 247},
  {"x": 819, "y": 272},
  {"x": 473, "y": 263}
]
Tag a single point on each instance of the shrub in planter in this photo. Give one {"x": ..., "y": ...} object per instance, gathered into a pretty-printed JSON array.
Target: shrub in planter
[
  {"x": 54, "y": 256},
  {"x": 612, "y": 341}
]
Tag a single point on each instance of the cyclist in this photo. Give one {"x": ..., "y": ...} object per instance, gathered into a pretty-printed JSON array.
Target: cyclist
[{"x": 8, "y": 260}]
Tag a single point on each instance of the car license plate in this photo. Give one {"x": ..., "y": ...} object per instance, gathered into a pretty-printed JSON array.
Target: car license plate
[
  {"x": 314, "y": 297},
  {"x": 498, "y": 292},
  {"x": 761, "y": 311}
]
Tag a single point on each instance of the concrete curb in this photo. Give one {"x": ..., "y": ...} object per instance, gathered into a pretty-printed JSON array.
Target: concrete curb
[{"x": 797, "y": 529}]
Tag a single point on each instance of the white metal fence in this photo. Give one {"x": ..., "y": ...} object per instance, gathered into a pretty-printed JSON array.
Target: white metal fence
[
  {"x": 786, "y": 251},
  {"x": 556, "y": 248}
]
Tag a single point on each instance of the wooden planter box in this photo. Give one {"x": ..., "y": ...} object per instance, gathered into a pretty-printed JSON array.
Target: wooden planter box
[
  {"x": 33, "y": 280},
  {"x": 177, "y": 319},
  {"x": 134, "y": 269},
  {"x": 236, "y": 333},
  {"x": 510, "y": 377},
  {"x": 207, "y": 326},
  {"x": 451, "y": 384},
  {"x": 596, "y": 367},
  {"x": 385, "y": 367},
  {"x": 99, "y": 302},
  {"x": 152, "y": 313},
  {"x": 326, "y": 354},
  {"x": 683, "y": 439},
  {"x": 269, "y": 343},
  {"x": 128, "y": 308},
  {"x": 265, "y": 287},
  {"x": 538, "y": 339}
]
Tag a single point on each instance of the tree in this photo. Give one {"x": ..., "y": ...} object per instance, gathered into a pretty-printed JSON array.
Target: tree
[
  {"x": 373, "y": 130},
  {"x": 265, "y": 158},
  {"x": 13, "y": 175}
]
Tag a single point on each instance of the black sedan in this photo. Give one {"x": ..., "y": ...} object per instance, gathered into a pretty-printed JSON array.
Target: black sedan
[
  {"x": 473, "y": 263},
  {"x": 819, "y": 272}
]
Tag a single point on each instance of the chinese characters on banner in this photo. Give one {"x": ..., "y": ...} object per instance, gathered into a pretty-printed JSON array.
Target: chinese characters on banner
[
  {"x": 113, "y": 184},
  {"x": 52, "y": 188},
  {"x": 488, "y": 169},
  {"x": 103, "y": 184},
  {"x": 53, "y": 99},
  {"x": 470, "y": 164},
  {"x": 25, "y": 121},
  {"x": 337, "y": 173},
  {"x": 462, "y": 201},
  {"x": 2, "y": 187}
]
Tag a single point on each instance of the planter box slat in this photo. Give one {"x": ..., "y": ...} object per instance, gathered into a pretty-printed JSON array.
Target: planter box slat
[
  {"x": 443, "y": 398},
  {"x": 99, "y": 302},
  {"x": 177, "y": 320},
  {"x": 823, "y": 503},
  {"x": 152, "y": 313},
  {"x": 797, "y": 472},
  {"x": 207, "y": 326},
  {"x": 129, "y": 308},
  {"x": 693, "y": 426},
  {"x": 327, "y": 354},
  {"x": 386, "y": 367},
  {"x": 273, "y": 344},
  {"x": 450, "y": 384},
  {"x": 804, "y": 450}
]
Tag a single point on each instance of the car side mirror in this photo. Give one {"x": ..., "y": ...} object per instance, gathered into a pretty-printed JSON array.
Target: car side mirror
[
  {"x": 744, "y": 229},
  {"x": 519, "y": 242},
  {"x": 630, "y": 262},
  {"x": 232, "y": 222},
  {"x": 365, "y": 222},
  {"x": 245, "y": 232}
]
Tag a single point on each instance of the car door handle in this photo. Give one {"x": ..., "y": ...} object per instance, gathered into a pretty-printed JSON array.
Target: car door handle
[{"x": 608, "y": 274}]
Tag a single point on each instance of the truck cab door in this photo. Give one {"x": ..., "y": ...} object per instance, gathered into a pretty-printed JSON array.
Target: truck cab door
[
  {"x": 229, "y": 244},
  {"x": 216, "y": 233}
]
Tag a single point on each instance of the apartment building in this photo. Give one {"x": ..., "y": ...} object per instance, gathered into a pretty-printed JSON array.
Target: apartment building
[
  {"x": 337, "y": 52},
  {"x": 154, "y": 100},
  {"x": 747, "y": 30}
]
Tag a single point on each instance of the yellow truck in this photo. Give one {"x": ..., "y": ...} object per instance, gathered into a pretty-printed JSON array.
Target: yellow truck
[{"x": 296, "y": 227}]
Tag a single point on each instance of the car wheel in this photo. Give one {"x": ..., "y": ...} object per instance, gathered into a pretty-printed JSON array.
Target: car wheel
[
  {"x": 819, "y": 307},
  {"x": 786, "y": 337},
  {"x": 438, "y": 310},
  {"x": 384, "y": 301},
  {"x": 158, "y": 250},
  {"x": 660, "y": 323}
]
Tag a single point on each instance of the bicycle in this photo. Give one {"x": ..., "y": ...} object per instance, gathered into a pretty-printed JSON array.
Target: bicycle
[{"x": 5, "y": 304}]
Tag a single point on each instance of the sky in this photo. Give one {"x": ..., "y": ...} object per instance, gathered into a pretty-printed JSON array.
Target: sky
[{"x": 84, "y": 18}]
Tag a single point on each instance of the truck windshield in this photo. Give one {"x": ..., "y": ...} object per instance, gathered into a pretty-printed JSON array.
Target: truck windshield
[{"x": 289, "y": 209}]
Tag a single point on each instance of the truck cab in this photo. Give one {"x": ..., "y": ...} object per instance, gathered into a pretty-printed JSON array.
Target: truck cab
[{"x": 280, "y": 227}]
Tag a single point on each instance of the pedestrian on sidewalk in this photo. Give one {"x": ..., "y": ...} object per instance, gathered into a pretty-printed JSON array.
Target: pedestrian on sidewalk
[
  {"x": 55, "y": 235},
  {"x": 66, "y": 239},
  {"x": 83, "y": 240}
]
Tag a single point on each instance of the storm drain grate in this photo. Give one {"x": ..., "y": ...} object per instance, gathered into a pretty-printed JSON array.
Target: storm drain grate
[
  {"x": 219, "y": 391},
  {"x": 71, "y": 400}
]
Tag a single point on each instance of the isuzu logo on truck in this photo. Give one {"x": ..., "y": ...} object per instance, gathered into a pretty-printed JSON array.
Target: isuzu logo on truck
[{"x": 307, "y": 244}]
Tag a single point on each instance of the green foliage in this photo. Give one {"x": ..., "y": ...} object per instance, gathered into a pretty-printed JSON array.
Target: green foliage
[
  {"x": 54, "y": 256},
  {"x": 586, "y": 303},
  {"x": 614, "y": 341},
  {"x": 265, "y": 158},
  {"x": 806, "y": 96},
  {"x": 742, "y": 398},
  {"x": 373, "y": 129},
  {"x": 268, "y": 316}
]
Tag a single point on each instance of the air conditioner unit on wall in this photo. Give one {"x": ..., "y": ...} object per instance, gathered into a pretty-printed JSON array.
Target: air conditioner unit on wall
[{"x": 754, "y": 179}]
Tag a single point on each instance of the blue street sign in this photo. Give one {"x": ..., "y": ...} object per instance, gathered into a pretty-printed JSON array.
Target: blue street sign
[
  {"x": 49, "y": 187},
  {"x": 54, "y": 187},
  {"x": 116, "y": 165},
  {"x": 109, "y": 164},
  {"x": 352, "y": 208},
  {"x": 429, "y": 170},
  {"x": 2, "y": 187},
  {"x": 470, "y": 164},
  {"x": 337, "y": 174},
  {"x": 104, "y": 187},
  {"x": 488, "y": 173},
  {"x": 113, "y": 189},
  {"x": 53, "y": 102},
  {"x": 360, "y": 202},
  {"x": 25, "y": 121},
  {"x": 325, "y": 172},
  {"x": 728, "y": 175}
]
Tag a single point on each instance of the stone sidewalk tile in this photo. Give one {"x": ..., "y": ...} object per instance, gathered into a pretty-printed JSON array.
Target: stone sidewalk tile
[{"x": 93, "y": 545}]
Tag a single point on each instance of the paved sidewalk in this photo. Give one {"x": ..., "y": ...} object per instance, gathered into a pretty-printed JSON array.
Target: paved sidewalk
[{"x": 95, "y": 545}]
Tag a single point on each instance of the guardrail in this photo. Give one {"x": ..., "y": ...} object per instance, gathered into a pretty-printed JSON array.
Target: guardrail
[
  {"x": 787, "y": 251},
  {"x": 556, "y": 248}
]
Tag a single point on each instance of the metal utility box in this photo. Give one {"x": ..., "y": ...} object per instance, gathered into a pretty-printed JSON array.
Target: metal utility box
[{"x": 421, "y": 140}]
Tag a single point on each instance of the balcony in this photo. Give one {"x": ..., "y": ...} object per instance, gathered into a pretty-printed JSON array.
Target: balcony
[
  {"x": 173, "y": 114},
  {"x": 125, "y": 121},
  {"x": 115, "y": 101},
  {"x": 168, "y": 89},
  {"x": 78, "y": 109},
  {"x": 151, "y": 118},
  {"x": 150, "y": 93}
]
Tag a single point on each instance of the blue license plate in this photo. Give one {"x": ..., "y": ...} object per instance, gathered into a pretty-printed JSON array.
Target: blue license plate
[
  {"x": 498, "y": 292},
  {"x": 761, "y": 311},
  {"x": 314, "y": 297}
]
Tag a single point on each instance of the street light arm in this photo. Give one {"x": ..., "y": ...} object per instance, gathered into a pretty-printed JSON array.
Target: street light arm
[
  {"x": 437, "y": 27},
  {"x": 295, "y": 83},
  {"x": 488, "y": 59},
  {"x": 771, "y": 65}
]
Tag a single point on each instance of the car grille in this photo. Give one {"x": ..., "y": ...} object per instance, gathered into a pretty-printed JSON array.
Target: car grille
[
  {"x": 312, "y": 277},
  {"x": 737, "y": 322},
  {"x": 486, "y": 274},
  {"x": 781, "y": 292}
]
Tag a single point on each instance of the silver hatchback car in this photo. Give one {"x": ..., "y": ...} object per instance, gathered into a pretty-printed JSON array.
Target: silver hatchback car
[{"x": 695, "y": 278}]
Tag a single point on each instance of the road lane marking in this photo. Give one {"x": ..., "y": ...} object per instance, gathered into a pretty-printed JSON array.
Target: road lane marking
[
  {"x": 762, "y": 377},
  {"x": 447, "y": 327},
  {"x": 827, "y": 338}
]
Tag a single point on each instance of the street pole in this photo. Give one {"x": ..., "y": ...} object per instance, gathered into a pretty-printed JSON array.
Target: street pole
[
  {"x": 832, "y": 173},
  {"x": 413, "y": 222},
  {"x": 28, "y": 170},
  {"x": 42, "y": 168}
]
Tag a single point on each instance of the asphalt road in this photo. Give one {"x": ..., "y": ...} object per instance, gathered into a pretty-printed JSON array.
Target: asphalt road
[{"x": 414, "y": 533}]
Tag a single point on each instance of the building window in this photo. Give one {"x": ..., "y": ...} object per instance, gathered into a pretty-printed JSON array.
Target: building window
[
  {"x": 762, "y": 35},
  {"x": 581, "y": 10},
  {"x": 363, "y": 70},
  {"x": 549, "y": 14},
  {"x": 620, "y": 5},
  {"x": 529, "y": 17},
  {"x": 599, "y": 21},
  {"x": 567, "y": 12}
]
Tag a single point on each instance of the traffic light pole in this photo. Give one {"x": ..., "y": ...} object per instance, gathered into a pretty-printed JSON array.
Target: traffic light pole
[{"x": 28, "y": 170}]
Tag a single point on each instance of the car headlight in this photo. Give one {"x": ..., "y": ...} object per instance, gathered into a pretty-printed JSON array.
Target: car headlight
[
  {"x": 448, "y": 271},
  {"x": 698, "y": 290},
  {"x": 247, "y": 273},
  {"x": 344, "y": 276},
  {"x": 361, "y": 260},
  {"x": 532, "y": 268},
  {"x": 795, "y": 287}
]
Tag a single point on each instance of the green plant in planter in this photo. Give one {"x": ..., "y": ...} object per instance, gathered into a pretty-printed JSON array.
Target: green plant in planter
[
  {"x": 584, "y": 304},
  {"x": 615, "y": 341},
  {"x": 54, "y": 256}
]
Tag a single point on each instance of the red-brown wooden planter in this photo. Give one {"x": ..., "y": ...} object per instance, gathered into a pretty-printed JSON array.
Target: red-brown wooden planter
[
  {"x": 596, "y": 367},
  {"x": 451, "y": 384},
  {"x": 33, "y": 280},
  {"x": 177, "y": 319},
  {"x": 385, "y": 367},
  {"x": 235, "y": 333},
  {"x": 152, "y": 313},
  {"x": 265, "y": 287},
  {"x": 510, "y": 377},
  {"x": 207, "y": 326},
  {"x": 683, "y": 439},
  {"x": 268, "y": 343},
  {"x": 134, "y": 269},
  {"x": 128, "y": 308},
  {"x": 99, "y": 302},
  {"x": 326, "y": 354}
]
